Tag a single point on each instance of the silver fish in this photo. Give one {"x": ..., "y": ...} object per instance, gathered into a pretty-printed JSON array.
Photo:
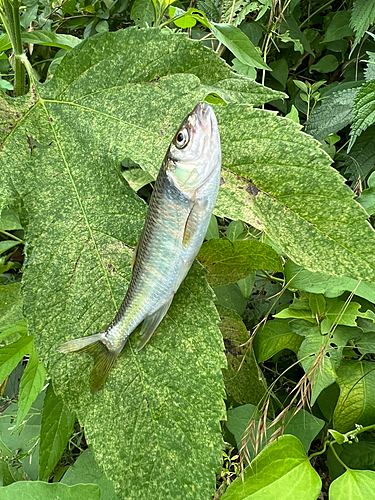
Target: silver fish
[{"x": 180, "y": 209}]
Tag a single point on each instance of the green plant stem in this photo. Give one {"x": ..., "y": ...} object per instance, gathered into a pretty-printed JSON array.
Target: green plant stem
[
  {"x": 12, "y": 236},
  {"x": 10, "y": 17},
  {"x": 319, "y": 452},
  {"x": 331, "y": 445},
  {"x": 316, "y": 12},
  {"x": 19, "y": 70}
]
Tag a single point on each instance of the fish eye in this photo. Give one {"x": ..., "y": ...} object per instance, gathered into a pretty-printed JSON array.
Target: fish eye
[{"x": 182, "y": 138}]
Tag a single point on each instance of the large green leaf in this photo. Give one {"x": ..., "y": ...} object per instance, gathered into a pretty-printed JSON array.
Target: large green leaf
[
  {"x": 31, "y": 385},
  {"x": 321, "y": 355},
  {"x": 356, "y": 404},
  {"x": 229, "y": 261},
  {"x": 335, "y": 113},
  {"x": 56, "y": 428},
  {"x": 244, "y": 380},
  {"x": 331, "y": 286},
  {"x": 300, "y": 201},
  {"x": 273, "y": 337},
  {"x": 353, "y": 485},
  {"x": 85, "y": 470},
  {"x": 25, "y": 490},
  {"x": 364, "y": 111},
  {"x": 302, "y": 425},
  {"x": 156, "y": 422},
  {"x": 281, "y": 471},
  {"x": 363, "y": 15}
]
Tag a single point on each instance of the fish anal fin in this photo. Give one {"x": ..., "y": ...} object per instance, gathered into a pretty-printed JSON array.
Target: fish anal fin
[
  {"x": 103, "y": 357},
  {"x": 151, "y": 323}
]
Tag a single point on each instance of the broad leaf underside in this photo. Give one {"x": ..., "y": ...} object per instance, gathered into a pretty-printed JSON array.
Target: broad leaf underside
[{"x": 154, "y": 428}]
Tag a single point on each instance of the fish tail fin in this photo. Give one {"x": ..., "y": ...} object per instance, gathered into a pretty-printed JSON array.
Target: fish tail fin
[{"x": 103, "y": 357}]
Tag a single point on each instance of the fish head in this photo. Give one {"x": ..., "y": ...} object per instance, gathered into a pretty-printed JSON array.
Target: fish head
[{"x": 194, "y": 156}]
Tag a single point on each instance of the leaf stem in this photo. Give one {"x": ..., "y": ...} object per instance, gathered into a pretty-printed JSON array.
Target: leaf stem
[
  {"x": 316, "y": 12},
  {"x": 319, "y": 452},
  {"x": 331, "y": 445},
  {"x": 10, "y": 235}
]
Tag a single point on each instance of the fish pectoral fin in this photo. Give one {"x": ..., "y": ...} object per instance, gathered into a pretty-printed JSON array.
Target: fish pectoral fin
[
  {"x": 192, "y": 221},
  {"x": 151, "y": 323},
  {"x": 103, "y": 357}
]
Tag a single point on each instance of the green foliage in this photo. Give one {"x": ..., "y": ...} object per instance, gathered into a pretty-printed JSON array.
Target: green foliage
[
  {"x": 294, "y": 476},
  {"x": 56, "y": 427},
  {"x": 85, "y": 470},
  {"x": 355, "y": 405},
  {"x": 229, "y": 261},
  {"x": 296, "y": 332},
  {"x": 353, "y": 485},
  {"x": 45, "y": 491},
  {"x": 363, "y": 15}
]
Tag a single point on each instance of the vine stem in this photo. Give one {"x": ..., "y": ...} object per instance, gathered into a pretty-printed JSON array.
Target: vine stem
[
  {"x": 331, "y": 445},
  {"x": 10, "y": 17}
]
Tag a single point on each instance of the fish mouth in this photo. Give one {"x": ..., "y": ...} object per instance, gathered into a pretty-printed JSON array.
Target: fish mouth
[{"x": 202, "y": 116}]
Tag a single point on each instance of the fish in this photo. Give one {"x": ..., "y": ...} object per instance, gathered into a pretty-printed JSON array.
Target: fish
[{"x": 177, "y": 219}]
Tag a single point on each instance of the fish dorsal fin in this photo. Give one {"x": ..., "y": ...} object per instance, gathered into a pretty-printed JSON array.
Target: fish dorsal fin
[{"x": 151, "y": 323}]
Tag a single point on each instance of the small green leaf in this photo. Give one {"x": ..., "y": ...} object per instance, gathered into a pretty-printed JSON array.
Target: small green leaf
[
  {"x": 302, "y": 425},
  {"x": 142, "y": 13},
  {"x": 24, "y": 441},
  {"x": 56, "y": 428},
  {"x": 213, "y": 229},
  {"x": 337, "y": 436},
  {"x": 243, "y": 379},
  {"x": 341, "y": 313},
  {"x": 367, "y": 197},
  {"x": 326, "y": 64},
  {"x": 246, "y": 285},
  {"x": 363, "y": 15},
  {"x": 31, "y": 385},
  {"x": 331, "y": 286},
  {"x": 26, "y": 490},
  {"x": 244, "y": 69},
  {"x": 273, "y": 337},
  {"x": 229, "y": 261},
  {"x": 47, "y": 38},
  {"x": 291, "y": 25},
  {"x": 234, "y": 229},
  {"x": 269, "y": 477},
  {"x": 356, "y": 404},
  {"x": 317, "y": 304},
  {"x": 321, "y": 355},
  {"x": 364, "y": 111},
  {"x": 86, "y": 470},
  {"x": 301, "y": 85},
  {"x": 334, "y": 113},
  {"x": 11, "y": 354},
  {"x": 353, "y": 485},
  {"x": 362, "y": 156},
  {"x": 280, "y": 71},
  {"x": 6, "y": 245},
  {"x": 9, "y": 220},
  {"x": 137, "y": 178},
  {"x": 239, "y": 44},
  {"x": 293, "y": 114},
  {"x": 230, "y": 296},
  {"x": 338, "y": 27}
]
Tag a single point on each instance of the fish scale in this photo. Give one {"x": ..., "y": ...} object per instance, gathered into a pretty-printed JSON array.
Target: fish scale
[{"x": 177, "y": 220}]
